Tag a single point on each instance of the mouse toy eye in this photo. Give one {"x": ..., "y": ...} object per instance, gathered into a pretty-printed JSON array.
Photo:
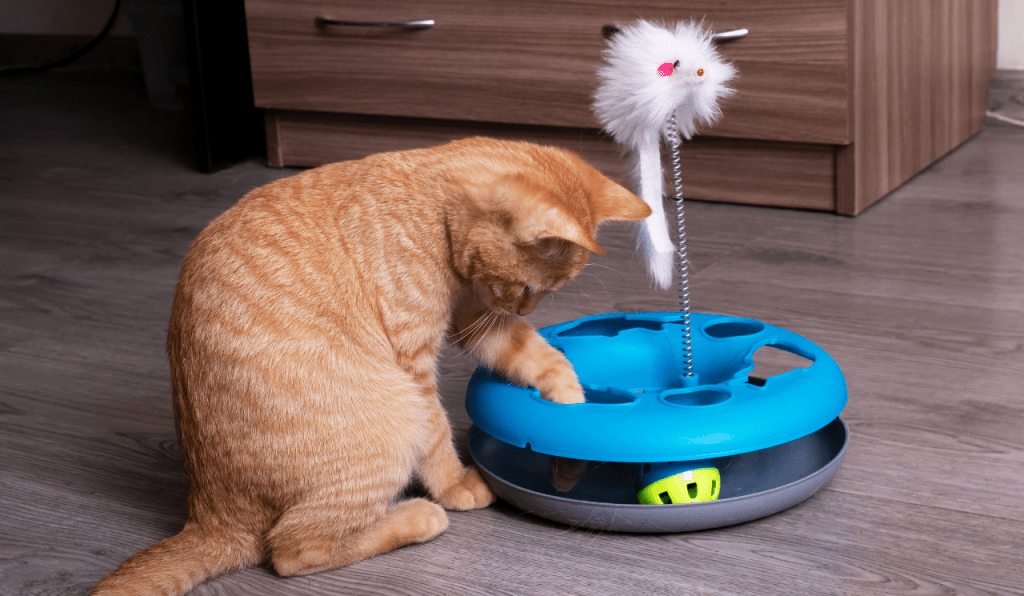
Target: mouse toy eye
[{"x": 700, "y": 72}]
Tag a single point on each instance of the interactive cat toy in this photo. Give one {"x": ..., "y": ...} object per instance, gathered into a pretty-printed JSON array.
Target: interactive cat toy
[
  {"x": 708, "y": 439},
  {"x": 641, "y": 105}
]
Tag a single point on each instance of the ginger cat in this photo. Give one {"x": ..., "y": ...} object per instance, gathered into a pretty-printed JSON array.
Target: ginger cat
[{"x": 303, "y": 339}]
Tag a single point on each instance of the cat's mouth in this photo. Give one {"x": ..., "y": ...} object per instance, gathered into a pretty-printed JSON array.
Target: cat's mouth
[{"x": 514, "y": 310}]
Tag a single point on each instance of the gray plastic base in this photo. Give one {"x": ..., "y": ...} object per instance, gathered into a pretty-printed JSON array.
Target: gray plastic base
[{"x": 754, "y": 485}]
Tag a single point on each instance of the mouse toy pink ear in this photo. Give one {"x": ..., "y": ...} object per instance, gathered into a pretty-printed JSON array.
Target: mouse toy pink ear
[{"x": 650, "y": 74}]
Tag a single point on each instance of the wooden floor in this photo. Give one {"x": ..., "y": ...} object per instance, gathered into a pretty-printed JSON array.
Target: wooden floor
[{"x": 920, "y": 300}]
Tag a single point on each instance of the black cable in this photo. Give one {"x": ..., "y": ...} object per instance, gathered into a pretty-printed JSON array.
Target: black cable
[{"x": 21, "y": 70}]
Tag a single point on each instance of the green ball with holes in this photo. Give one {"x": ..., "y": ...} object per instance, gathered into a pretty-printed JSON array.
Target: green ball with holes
[{"x": 679, "y": 482}]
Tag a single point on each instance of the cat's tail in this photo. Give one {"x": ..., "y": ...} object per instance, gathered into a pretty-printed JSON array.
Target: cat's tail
[{"x": 173, "y": 566}]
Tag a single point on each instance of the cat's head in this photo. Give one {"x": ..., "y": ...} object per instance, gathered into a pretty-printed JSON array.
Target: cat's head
[{"x": 532, "y": 222}]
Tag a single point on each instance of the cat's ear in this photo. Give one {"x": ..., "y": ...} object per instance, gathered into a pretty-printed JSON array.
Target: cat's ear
[
  {"x": 537, "y": 214},
  {"x": 614, "y": 203},
  {"x": 554, "y": 222}
]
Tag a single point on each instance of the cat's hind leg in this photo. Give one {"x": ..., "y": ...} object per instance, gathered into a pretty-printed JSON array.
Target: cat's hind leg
[{"x": 310, "y": 539}]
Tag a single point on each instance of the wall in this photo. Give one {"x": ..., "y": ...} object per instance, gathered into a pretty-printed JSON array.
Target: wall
[{"x": 1011, "y": 34}]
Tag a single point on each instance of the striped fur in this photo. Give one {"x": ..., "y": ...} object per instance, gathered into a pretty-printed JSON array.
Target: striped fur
[{"x": 303, "y": 339}]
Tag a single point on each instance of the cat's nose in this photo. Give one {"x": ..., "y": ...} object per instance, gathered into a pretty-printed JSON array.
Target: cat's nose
[{"x": 530, "y": 301}]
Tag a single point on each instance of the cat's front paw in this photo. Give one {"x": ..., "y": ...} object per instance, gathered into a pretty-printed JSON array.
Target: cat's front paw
[
  {"x": 470, "y": 493},
  {"x": 562, "y": 387}
]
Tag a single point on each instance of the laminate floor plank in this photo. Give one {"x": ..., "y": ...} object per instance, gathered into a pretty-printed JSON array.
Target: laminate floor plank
[
  {"x": 875, "y": 547},
  {"x": 919, "y": 299},
  {"x": 47, "y": 387}
]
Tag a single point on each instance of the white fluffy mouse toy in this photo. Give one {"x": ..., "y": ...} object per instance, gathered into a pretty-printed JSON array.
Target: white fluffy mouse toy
[{"x": 651, "y": 72}]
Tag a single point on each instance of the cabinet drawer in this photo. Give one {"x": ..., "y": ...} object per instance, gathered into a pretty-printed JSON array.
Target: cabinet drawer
[
  {"x": 734, "y": 170},
  {"x": 534, "y": 61}
]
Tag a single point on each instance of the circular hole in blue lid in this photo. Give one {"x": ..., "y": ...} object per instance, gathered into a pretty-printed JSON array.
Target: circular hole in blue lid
[
  {"x": 733, "y": 329},
  {"x": 608, "y": 327},
  {"x": 698, "y": 397},
  {"x": 607, "y": 396}
]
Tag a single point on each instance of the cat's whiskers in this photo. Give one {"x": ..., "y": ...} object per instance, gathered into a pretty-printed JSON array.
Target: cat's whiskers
[
  {"x": 597, "y": 277},
  {"x": 592, "y": 264},
  {"x": 579, "y": 289},
  {"x": 481, "y": 322},
  {"x": 469, "y": 330},
  {"x": 495, "y": 318}
]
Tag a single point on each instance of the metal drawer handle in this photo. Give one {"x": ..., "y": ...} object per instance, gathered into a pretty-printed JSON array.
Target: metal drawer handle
[
  {"x": 610, "y": 30},
  {"x": 729, "y": 35},
  {"x": 322, "y": 21}
]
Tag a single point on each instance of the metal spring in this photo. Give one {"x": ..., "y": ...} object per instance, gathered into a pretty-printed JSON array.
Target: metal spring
[{"x": 682, "y": 260}]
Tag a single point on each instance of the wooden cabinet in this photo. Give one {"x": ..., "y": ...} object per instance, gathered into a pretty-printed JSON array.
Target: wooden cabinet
[{"x": 838, "y": 101}]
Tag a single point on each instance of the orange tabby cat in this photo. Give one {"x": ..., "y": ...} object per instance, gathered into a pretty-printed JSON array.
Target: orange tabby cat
[{"x": 303, "y": 340}]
